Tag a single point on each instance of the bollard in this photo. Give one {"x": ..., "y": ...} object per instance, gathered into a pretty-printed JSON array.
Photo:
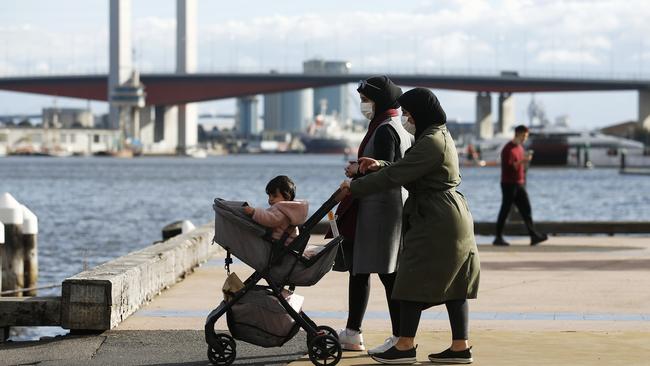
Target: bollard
[
  {"x": 11, "y": 214},
  {"x": 30, "y": 251},
  {"x": 176, "y": 228},
  {"x": 187, "y": 226}
]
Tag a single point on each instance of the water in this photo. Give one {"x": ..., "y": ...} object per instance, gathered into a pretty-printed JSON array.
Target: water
[{"x": 91, "y": 210}]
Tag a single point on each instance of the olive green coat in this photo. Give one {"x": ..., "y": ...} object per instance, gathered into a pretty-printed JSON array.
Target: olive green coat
[{"x": 439, "y": 260}]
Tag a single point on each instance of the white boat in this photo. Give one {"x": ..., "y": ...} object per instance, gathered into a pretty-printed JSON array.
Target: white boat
[{"x": 563, "y": 146}]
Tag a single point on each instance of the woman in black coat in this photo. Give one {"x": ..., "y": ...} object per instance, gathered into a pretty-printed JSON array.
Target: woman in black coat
[{"x": 372, "y": 225}]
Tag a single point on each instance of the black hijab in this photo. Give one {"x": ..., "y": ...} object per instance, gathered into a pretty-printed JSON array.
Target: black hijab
[
  {"x": 382, "y": 91},
  {"x": 424, "y": 107}
]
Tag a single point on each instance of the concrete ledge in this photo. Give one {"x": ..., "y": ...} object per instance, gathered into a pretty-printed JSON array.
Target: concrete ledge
[
  {"x": 100, "y": 298},
  {"x": 30, "y": 311}
]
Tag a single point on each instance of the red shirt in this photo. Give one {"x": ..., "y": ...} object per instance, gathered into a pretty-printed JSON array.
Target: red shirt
[{"x": 511, "y": 170}]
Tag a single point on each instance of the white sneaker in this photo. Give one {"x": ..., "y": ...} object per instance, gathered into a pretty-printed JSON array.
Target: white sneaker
[
  {"x": 388, "y": 343},
  {"x": 351, "y": 340}
]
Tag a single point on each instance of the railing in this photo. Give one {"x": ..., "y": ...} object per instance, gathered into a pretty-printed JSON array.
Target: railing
[{"x": 390, "y": 70}]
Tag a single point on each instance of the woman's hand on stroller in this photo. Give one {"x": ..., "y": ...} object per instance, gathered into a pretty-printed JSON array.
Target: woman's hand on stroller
[
  {"x": 352, "y": 169},
  {"x": 344, "y": 190},
  {"x": 248, "y": 210},
  {"x": 368, "y": 164}
]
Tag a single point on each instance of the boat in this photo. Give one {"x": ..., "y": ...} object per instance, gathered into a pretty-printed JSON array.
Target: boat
[
  {"x": 563, "y": 146},
  {"x": 557, "y": 145},
  {"x": 327, "y": 135}
]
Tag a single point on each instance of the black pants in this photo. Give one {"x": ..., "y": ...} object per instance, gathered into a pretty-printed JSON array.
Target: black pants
[
  {"x": 515, "y": 193},
  {"x": 358, "y": 294},
  {"x": 458, "y": 312}
]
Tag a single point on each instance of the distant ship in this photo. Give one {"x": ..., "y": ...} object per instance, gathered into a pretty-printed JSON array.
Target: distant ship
[
  {"x": 558, "y": 144},
  {"x": 326, "y": 135}
]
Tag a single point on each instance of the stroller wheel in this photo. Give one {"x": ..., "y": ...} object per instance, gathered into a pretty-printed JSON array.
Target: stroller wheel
[
  {"x": 322, "y": 329},
  {"x": 222, "y": 353},
  {"x": 324, "y": 350}
]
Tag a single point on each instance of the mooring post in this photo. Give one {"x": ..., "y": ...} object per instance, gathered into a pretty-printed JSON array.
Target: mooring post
[
  {"x": 30, "y": 248},
  {"x": 11, "y": 215}
]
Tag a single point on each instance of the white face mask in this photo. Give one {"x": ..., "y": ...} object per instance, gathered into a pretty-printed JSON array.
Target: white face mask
[
  {"x": 408, "y": 126},
  {"x": 367, "y": 109}
]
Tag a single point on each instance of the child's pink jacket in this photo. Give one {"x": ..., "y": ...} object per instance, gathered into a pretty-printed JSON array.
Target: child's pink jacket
[{"x": 282, "y": 215}]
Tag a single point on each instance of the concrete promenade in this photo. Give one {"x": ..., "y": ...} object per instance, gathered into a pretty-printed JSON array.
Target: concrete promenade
[{"x": 572, "y": 301}]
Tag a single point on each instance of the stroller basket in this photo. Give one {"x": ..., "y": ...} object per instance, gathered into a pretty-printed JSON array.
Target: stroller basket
[
  {"x": 250, "y": 242},
  {"x": 259, "y": 318}
]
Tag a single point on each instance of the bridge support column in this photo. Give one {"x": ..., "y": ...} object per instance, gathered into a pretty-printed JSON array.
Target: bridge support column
[
  {"x": 506, "y": 113},
  {"x": 120, "y": 65},
  {"x": 644, "y": 109},
  {"x": 484, "y": 126},
  {"x": 165, "y": 128},
  {"x": 186, "y": 52}
]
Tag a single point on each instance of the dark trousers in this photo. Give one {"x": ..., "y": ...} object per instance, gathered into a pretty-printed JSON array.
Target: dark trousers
[
  {"x": 457, "y": 310},
  {"x": 358, "y": 294},
  {"x": 515, "y": 193}
]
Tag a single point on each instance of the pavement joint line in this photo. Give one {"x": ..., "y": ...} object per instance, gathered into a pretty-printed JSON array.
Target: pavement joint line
[
  {"x": 99, "y": 347},
  {"x": 439, "y": 315}
]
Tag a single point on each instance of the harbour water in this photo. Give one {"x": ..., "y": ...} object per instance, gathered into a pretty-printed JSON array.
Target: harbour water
[{"x": 91, "y": 210}]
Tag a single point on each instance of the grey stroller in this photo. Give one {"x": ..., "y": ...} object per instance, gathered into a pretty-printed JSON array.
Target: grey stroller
[{"x": 260, "y": 314}]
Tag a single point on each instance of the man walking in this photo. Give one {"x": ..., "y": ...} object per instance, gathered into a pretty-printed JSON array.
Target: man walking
[{"x": 513, "y": 189}]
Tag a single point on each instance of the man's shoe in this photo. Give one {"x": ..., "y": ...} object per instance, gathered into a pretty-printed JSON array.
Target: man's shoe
[
  {"x": 448, "y": 356},
  {"x": 538, "y": 239},
  {"x": 351, "y": 340},
  {"x": 500, "y": 241},
  {"x": 393, "y": 356},
  {"x": 388, "y": 343}
]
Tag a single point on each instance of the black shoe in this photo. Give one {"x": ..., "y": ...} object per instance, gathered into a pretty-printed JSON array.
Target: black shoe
[
  {"x": 538, "y": 239},
  {"x": 449, "y": 356},
  {"x": 393, "y": 356},
  {"x": 500, "y": 241}
]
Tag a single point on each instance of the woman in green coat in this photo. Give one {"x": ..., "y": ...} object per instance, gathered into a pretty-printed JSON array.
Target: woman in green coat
[{"x": 438, "y": 263}]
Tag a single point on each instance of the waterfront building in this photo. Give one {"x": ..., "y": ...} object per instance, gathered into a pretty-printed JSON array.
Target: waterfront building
[
  {"x": 289, "y": 111},
  {"x": 57, "y": 141},
  {"x": 273, "y": 112},
  {"x": 247, "y": 121},
  {"x": 68, "y": 117},
  {"x": 334, "y": 99}
]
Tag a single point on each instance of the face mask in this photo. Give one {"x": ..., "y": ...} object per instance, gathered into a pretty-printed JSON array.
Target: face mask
[
  {"x": 408, "y": 126},
  {"x": 367, "y": 110}
]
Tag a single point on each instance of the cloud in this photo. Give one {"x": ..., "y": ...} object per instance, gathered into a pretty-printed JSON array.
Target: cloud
[
  {"x": 568, "y": 57},
  {"x": 430, "y": 35}
]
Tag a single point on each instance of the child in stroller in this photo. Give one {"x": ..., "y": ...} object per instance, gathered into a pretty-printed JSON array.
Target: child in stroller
[
  {"x": 285, "y": 213},
  {"x": 260, "y": 314}
]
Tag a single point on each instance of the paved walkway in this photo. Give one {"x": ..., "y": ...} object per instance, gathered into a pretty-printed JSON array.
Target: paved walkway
[{"x": 571, "y": 301}]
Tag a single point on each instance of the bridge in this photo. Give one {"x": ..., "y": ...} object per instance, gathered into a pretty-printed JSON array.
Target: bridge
[
  {"x": 171, "y": 89},
  {"x": 164, "y": 90}
]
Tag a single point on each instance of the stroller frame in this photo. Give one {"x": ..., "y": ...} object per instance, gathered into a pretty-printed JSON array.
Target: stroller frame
[{"x": 322, "y": 341}]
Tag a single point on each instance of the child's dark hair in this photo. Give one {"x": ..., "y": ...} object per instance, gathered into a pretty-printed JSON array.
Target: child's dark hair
[{"x": 282, "y": 184}]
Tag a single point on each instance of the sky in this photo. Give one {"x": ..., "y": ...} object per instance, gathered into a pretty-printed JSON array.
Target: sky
[{"x": 579, "y": 38}]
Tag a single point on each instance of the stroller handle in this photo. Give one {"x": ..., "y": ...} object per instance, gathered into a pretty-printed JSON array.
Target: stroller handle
[{"x": 321, "y": 212}]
